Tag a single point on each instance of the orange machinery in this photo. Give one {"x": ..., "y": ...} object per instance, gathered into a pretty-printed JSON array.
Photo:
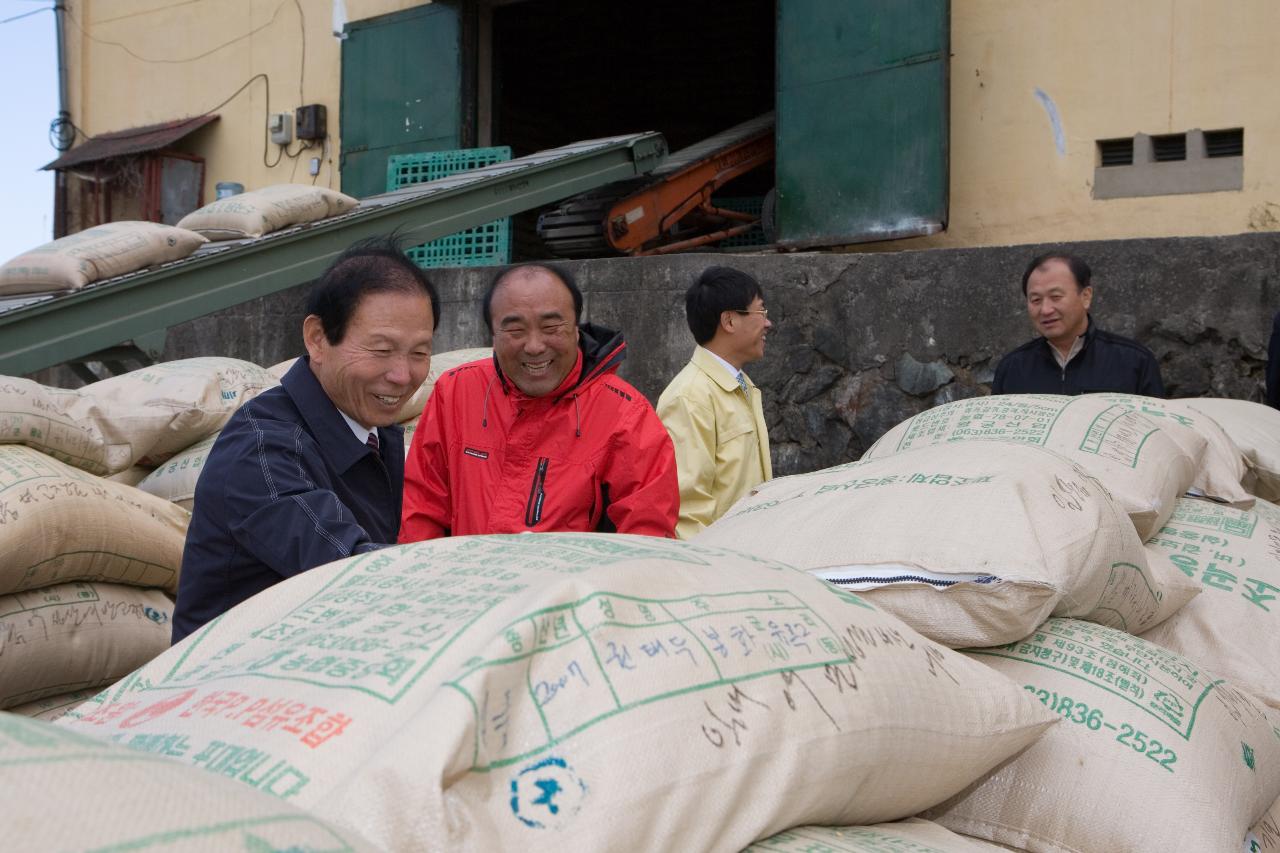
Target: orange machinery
[{"x": 669, "y": 209}]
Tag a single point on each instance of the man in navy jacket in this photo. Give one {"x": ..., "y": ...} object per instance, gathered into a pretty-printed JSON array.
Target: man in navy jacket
[
  {"x": 1072, "y": 355},
  {"x": 313, "y": 471}
]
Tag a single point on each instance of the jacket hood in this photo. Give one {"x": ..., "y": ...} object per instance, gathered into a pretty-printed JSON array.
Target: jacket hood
[{"x": 603, "y": 350}]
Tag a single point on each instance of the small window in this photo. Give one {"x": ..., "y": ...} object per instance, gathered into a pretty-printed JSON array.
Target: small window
[
  {"x": 1224, "y": 143},
  {"x": 1116, "y": 152},
  {"x": 1169, "y": 147}
]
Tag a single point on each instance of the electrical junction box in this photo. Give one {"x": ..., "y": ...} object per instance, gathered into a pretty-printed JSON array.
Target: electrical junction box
[
  {"x": 311, "y": 121},
  {"x": 280, "y": 126}
]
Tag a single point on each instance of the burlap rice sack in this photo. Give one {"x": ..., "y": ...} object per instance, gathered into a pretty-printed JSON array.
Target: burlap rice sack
[
  {"x": 144, "y": 416},
  {"x": 971, "y": 544},
  {"x": 1128, "y": 452},
  {"x": 573, "y": 692},
  {"x": 1222, "y": 467},
  {"x": 262, "y": 211},
  {"x": 59, "y": 524},
  {"x": 52, "y": 707},
  {"x": 76, "y": 636},
  {"x": 175, "y": 480},
  {"x": 1255, "y": 429},
  {"x": 1264, "y": 837},
  {"x": 440, "y": 363},
  {"x": 130, "y": 476},
  {"x": 103, "y": 251},
  {"x": 1153, "y": 753},
  {"x": 906, "y": 836},
  {"x": 1233, "y": 627},
  {"x": 65, "y": 791}
]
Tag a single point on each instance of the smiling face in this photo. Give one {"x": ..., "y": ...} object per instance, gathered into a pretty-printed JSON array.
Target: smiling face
[
  {"x": 381, "y": 360},
  {"x": 535, "y": 337},
  {"x": 1057, "y": 306}
]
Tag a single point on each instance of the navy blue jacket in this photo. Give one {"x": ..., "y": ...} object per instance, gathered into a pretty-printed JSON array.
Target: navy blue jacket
[
  {"x": 286, "y": 487},
  {"x": 1273, "y": 365},
  {"x": 1107, "y": 362}
]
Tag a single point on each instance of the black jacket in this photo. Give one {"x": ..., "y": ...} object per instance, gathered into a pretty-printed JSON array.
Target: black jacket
[
  {"x": 1273, "y": 365},
  {"x": 1107, "y": 362},
  {"x": 286, "y": 488}
]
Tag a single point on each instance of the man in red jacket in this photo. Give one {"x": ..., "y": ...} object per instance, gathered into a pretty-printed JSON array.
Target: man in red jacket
[{"x": 543, "y": 437}]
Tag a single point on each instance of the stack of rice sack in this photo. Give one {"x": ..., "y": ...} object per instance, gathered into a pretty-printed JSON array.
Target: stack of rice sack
[
  {"x": 572, "y": 692},
  {"x": 86, "y": 562},
  {"x": 1015, "y": 526}
]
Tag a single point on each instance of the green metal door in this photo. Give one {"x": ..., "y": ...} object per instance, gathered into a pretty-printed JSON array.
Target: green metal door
[
  {"x": 862, "y": 120},
  {"x": 401, "y": 91}
]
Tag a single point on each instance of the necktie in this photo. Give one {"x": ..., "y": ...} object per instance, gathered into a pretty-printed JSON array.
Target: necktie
[
  {"x": 742, "y": 383},
  {"x": 373, "y": 441}
]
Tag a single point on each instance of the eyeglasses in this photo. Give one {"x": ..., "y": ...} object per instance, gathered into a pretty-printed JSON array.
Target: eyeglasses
[{"x": 763, "y": 312}]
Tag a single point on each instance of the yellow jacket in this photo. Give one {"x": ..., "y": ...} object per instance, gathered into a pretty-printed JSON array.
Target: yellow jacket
[{"x": 722, "y": 445}]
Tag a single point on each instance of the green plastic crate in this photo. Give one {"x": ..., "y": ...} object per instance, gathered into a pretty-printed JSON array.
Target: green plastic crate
[
  {"x": 484, "y": 245},
  {"x": 748, "y": 204}
]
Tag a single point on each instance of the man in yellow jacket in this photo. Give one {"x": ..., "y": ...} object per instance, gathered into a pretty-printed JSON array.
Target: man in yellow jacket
[{"x": 712, "y": 408}]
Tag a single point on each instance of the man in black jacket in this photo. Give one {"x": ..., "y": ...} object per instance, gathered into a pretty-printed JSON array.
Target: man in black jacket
[
  {"x": 313, "y": 470},
  {"x": 1273, "y": 365},
  {"x": 1072, "y": 355}
]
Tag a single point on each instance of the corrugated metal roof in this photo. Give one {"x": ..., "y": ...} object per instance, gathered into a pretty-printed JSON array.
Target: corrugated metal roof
[{"x": 137, "y": 140}]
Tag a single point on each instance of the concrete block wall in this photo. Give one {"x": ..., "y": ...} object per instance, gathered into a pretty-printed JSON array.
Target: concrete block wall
[{"x": 863, "y": 341}]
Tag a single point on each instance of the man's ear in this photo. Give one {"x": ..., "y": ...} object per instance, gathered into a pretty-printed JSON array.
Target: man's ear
[
  {"x": 1086, "y": 296},
  {"x": 727, "y": 320},
  {"x": 313, "y": 336}
]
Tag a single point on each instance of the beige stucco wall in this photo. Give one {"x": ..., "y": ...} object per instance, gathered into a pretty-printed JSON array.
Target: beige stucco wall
[
  {"x": 139, "y": 62},
  {"x": 1110, "y": 69}
]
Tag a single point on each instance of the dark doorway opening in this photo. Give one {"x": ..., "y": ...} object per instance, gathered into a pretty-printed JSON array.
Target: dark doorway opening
[{"x": 567, "y": 70}]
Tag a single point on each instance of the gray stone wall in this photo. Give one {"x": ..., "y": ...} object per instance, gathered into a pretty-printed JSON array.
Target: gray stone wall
[{"x": 863, "y": 341}]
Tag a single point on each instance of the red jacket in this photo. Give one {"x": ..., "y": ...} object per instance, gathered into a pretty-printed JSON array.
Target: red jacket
[{"x": 592, "y": 455}]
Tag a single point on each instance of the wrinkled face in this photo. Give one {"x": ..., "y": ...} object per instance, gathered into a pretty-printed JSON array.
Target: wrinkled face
[
  {"x": 1058, "y": 308},
  {"x": 535, "y": 338},
  {"x": 380, "y": 361}
]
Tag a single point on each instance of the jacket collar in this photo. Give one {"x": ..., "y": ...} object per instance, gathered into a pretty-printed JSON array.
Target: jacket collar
[
  {"x": 323, "y": 419},
  {"x": 1090, "y": 332},
  {"x": 708, "y": 364}
]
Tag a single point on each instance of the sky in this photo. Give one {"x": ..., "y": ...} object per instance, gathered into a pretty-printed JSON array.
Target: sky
[{"x": 28, "y": 102}]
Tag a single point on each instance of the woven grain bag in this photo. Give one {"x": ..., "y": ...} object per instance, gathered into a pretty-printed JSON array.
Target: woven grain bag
[
  {"x": 77, "y": 636},
  {"x": 1153, "y": 752},
  {"x": 1264, "y": 837},
  {"x": 441, "y": 362},
  {"x": 1233, "y": 627},
  {"x": 572, "y": 692},
  {"x": 68, "y": 792},
  {"x": 175, "y": 480},
  {"x": 104, "y": 251},
  {"x": 259, "y": 212},
  {"x": 971, "y": 544},
  {"x": 1255, "y": 429},
  {"x": 1222, "y": 467},
  {"x": 906, "y": 836},
  {"x": 141, "y": 417},
  {"x": 51, "y": 708},
  {"x": 1140, "y": 465},
  {"x": 59, "y": 524}
]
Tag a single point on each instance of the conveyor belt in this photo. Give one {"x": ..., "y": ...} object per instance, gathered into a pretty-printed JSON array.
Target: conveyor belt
[{"x": 44, "y": 330}]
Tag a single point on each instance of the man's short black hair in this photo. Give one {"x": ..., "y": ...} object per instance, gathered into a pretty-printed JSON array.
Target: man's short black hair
[
  {"x": 375, "y": 265},
  {"x": 566, "y": 278},
  {"x": 717, "y": 290},
  {"x": 1079, "y": 269}
]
